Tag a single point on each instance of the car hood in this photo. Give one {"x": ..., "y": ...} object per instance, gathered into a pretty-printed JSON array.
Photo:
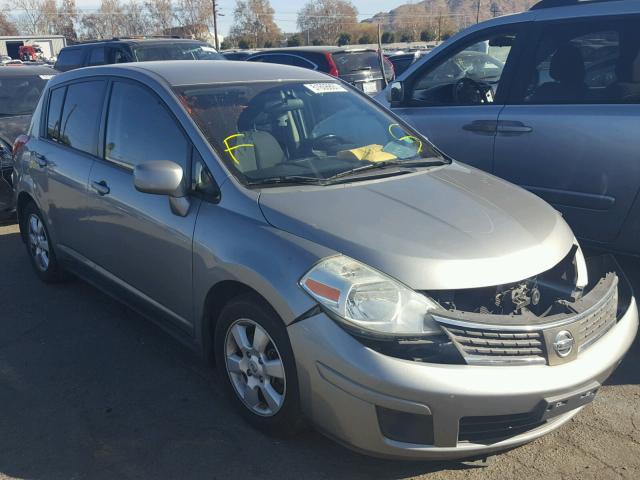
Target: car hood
[
  {"x": 451, "y": 227},
  {"x": 12, "y": 127}
]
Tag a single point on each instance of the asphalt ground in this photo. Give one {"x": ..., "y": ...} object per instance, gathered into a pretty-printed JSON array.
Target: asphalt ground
[{"x": 89, "y": 389}]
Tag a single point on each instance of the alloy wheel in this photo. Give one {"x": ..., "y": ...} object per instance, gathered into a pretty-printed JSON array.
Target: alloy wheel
[
  {"x": 255, "y": 367},
  {"x": 38, "y": 243}
]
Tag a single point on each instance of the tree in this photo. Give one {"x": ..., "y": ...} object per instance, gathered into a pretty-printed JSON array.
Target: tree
[
  {"x": 226, "y": 45},
  {"x": 388, "y": 37},
  {"x": 427, "y": 36},
  {"x": 107, "y": 22},
  {"x": 254, "y": 23},
  {"x": 243, "y": 44},
  {"x": 406, "y": 37},
  {"x": 294, "y": 40},
  {"x": 31, "y": 19},
  {"x": 135, "y": 20},
  {"x": 160, "y": 13},
  {"x": 6, "y": 26},
  {"x": 344, "y": 39},
  {"x": 192, "y": 15},
  {"x": 365, "y": 40},
  {"x": 324, "y": 20}
]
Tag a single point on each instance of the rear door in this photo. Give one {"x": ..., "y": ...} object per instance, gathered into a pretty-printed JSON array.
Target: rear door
[
  {"x": 455, "y": 97},
  {"x": 135, "y": 238},
  {"x": 570, "y": 131},
  {"x": 62, "y": 157}
]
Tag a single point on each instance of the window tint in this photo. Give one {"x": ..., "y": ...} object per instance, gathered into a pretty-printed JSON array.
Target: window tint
[
  {"x": 97, "y": 56},
  {"x": 70, "y": 58},
  {"x": 140, "y": 129},
  {"x": 587, "y": 62},
  {"x": 56, "y": 99},
  {"x": 81, "y": 115},
  {"x": 470, "y": 76},
  {"x": 117, "y": 55}
]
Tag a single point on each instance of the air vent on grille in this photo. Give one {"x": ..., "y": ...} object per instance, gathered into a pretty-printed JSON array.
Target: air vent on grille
[{"x": 496, "y": 428}]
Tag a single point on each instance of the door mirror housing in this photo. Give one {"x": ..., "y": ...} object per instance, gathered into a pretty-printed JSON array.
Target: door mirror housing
[
  {"x": 162, "y": 177},
  {"x": 396, "y": 92}
]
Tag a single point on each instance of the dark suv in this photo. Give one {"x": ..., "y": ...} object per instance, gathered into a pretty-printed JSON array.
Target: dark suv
[
  {"x": 116, "y": 50},
  {"x": 358, "y": 66}
]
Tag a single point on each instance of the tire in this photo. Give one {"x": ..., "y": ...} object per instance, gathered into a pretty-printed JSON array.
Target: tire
[
  {"x": 249, "y": 362},
  {"x": 39, "y": 247}
]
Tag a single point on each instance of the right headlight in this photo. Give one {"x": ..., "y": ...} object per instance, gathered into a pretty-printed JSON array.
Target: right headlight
[{"x": 369, "y": 300}]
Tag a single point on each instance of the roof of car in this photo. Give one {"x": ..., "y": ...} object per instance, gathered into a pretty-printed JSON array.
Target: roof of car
[
  {"x": 26, "y": 70},
  {"x": 133, "y": 41},
  {"x": 196, "y": 72},
  {"x": 318, "y": 49}
]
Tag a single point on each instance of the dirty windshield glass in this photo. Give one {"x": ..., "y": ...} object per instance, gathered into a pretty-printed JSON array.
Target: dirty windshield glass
[
  {"x": 299, "y": 130},
  {"x": 176, "y": 51},
  {"x": 20, "y": 95}
]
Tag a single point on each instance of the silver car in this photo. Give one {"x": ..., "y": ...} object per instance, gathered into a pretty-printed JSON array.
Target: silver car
[{"x": 337, "y": 267}]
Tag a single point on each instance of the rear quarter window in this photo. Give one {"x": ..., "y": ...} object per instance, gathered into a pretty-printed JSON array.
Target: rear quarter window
[
  {"x": 81, "y": 116},
  {"x": 70, "y": 59}
]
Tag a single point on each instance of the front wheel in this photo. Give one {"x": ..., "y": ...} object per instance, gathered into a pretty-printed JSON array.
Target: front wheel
[{"x": 255, "y": 360}]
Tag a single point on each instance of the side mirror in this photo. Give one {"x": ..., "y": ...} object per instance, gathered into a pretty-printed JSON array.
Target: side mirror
[
  {"x": 395, "y": 93},
  {"x": 162, "y": 177}
]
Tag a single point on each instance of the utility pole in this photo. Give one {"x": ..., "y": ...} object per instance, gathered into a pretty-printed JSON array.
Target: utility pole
[
  {"x": 215, "y": 25},
  {"x": 478, "y": 13}
]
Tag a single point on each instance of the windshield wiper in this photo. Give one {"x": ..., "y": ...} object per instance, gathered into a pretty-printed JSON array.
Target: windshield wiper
[
  {"x": 286, "y": 180},
  {"x": 385, "y": 164}
]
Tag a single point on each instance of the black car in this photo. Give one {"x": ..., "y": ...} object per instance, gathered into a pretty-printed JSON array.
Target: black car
[
  {"x": 125, "y": 50},
  {"x": 20, "y": 89},
  {"x": 238, "y": 55},
  {"x": 402, "y": 61},
  {"x": 358, "y": 66}
]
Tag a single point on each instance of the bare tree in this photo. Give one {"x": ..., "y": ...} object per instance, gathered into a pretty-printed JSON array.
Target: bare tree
[
  {"x": 135, "y": 19},
  {"x": 161, "y": 14},
  {"x": 254, "y": 24},
  {"x": 193, "y": 14},
  {"x": 30, "y": 17},
  {"x": 107, "y": 22},
  {"x": 7, "y": 27},
  {"x": 324, "y": 20}
]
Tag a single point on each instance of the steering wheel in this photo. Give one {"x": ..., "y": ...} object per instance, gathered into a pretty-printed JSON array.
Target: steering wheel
[
  {"x": 467, "y": 91},
  {"x": 326, "y": 141}
]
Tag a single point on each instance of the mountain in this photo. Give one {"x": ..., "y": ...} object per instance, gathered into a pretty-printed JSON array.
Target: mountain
[{"x": 444, "y": 15}]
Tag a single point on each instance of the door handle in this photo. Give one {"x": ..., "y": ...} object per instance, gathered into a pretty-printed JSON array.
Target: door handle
[
  {"x": 513, "y": 127},
  {"x": 40, "y": 159},
  {"x": 485, "y": 127},
  {"x": 101, "y": 187}
]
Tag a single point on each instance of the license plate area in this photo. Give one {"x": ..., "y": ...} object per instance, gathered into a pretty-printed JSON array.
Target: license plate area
[
  {"x": 370, "y": 87},
  {"x": 554, "y": 406}
]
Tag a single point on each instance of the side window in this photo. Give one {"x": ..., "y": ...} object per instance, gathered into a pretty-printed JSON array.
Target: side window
[
  {"x": 56, "y": 99},
  {"x": 97, "y": 56},
  {"x": 141, "y": 129},
  {"x": 470, "y": 76},
  {"x": 81, "y": 115},
  {"x": 117, "y": 55},
  {"x": 586, "y": 62},
  {"x": 70, "y": 59},
  {"x": 300, "y": 62}
]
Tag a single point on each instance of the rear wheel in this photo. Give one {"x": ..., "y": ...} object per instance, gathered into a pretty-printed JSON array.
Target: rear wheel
[
  {"x": 256, "y": 363},
  {"x": 39, "y": 247}
]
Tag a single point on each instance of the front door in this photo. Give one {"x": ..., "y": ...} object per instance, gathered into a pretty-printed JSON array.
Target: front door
[
  {"x": 137, "y": 241},
  {"x": 570, "y": 132},
  {"x": 455, "y": 97}
]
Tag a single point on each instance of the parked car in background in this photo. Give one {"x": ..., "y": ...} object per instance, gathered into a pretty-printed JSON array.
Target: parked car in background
[
  {"x": 238, "y": 55},
  {"x": 20, "y": 90},
  {"x": 357, "y": 66},
  {"x": 125, "y": 50},
  {"x": 335, "y": 264},
  {"x": 402, "y": 61},
  {"x": 548, "y": 99},
  {"x": 4, "y": 59}
]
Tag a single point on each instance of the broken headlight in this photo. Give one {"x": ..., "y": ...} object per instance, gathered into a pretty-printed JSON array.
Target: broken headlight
[{"x": 369, "y": 301}]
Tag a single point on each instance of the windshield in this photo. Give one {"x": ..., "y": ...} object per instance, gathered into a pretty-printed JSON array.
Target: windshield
[
  {"x": 176, "y": 51},
  {"x": 20, "y": 95},
  {"x": 295, "y": 130}
]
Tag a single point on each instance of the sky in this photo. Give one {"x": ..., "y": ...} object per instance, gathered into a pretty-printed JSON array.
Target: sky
[{"x": 286, "y": 10}]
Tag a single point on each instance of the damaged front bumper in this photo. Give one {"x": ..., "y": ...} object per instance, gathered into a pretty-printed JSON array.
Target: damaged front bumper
[{"x": 399, "y": 408}]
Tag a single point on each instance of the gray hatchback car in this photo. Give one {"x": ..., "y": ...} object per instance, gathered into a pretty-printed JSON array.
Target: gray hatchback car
[{"x": 336, "y": 266}]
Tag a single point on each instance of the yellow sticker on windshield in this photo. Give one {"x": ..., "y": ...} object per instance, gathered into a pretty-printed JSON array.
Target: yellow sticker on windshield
[{"x": 231, "y": 148}]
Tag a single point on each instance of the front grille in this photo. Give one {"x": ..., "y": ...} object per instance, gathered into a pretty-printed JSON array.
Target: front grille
[
  {"x": 594, "y": 326},
  {"x": 492, "y": 429},
  {"x": 483, "y": 346}
]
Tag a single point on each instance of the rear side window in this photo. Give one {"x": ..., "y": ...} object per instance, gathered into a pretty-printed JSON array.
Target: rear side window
[
  {"x": 140, "y": 128},
  {"x": 56, "y": 100},
  {"x": 586, "y": 62},
  {"x": 70, "y": 59},
  {"x": 97, "y": 56},
  {"x": 81, "y": 115}
]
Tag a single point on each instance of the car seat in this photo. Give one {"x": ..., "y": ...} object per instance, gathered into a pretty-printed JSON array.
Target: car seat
[
  {"x": 568, "y": 72},
  {"x": 256, "y": 150},
  {"x": 627, "y": 88}
]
